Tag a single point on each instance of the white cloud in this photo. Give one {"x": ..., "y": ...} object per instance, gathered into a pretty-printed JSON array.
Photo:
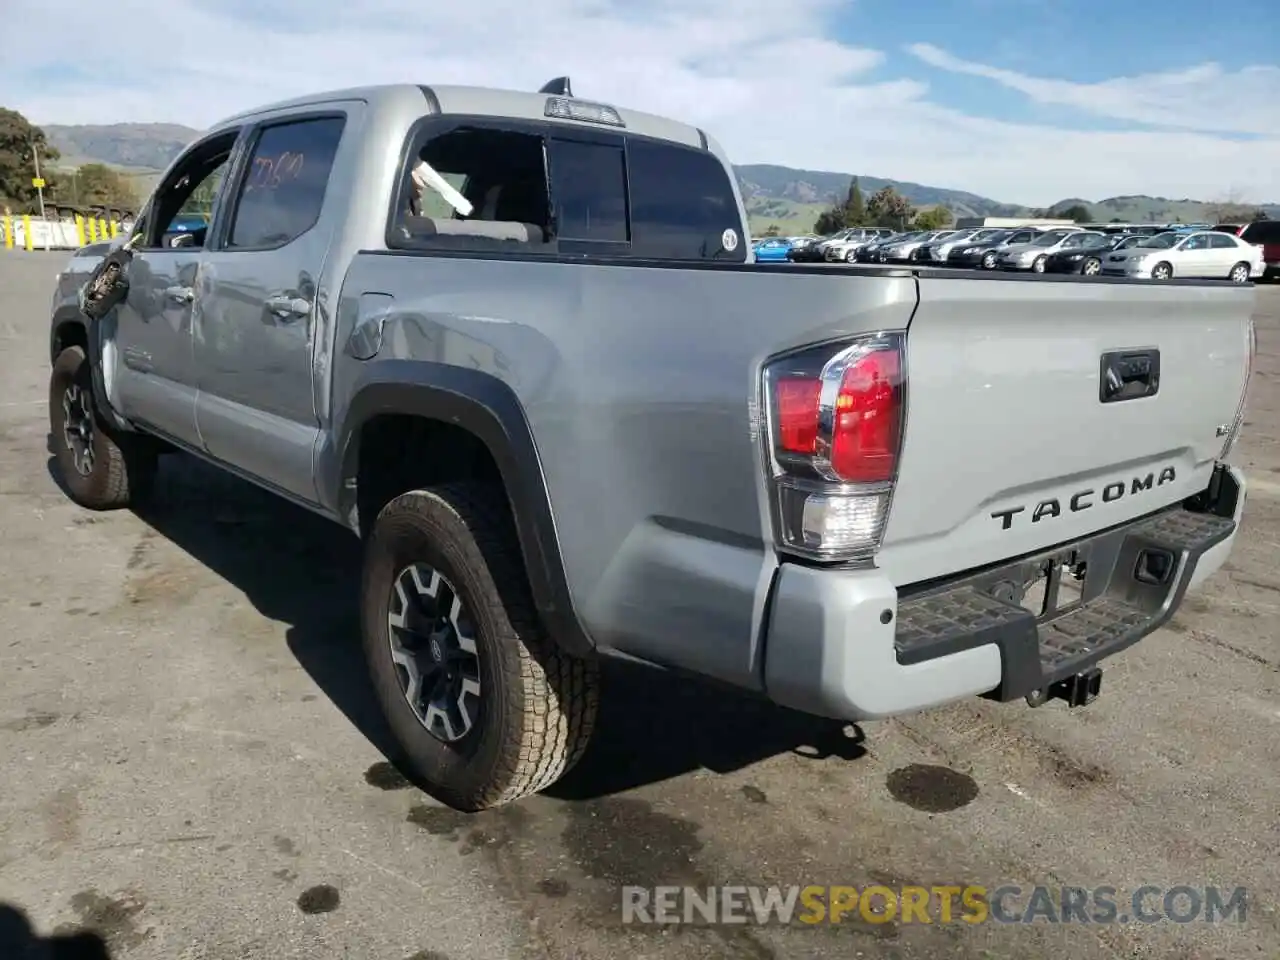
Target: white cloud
[
  {"x": 1202, "y": 97},
  {"x": 766, "y": 81}
]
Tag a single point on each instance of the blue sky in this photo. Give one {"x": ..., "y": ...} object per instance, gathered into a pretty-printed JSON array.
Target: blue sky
[
  {"x": 1028, "y": 101},
  {"x": 1060, "y": 39}
]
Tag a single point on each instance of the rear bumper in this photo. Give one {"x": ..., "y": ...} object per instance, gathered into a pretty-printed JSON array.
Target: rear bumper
[{"x": 845, "y": 644}]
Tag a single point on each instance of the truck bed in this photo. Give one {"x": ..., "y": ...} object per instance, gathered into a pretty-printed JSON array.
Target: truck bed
[{"x": 651, "y": 375}]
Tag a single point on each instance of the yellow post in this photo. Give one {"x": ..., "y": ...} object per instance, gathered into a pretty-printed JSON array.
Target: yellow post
[
  {"x": 26, "y": 230},
  {"x": 8, "y": 232},
  {"x": 103, "y": 232},
  {"x": 93, "y": 229},
  {"x": 115, "y": 227},
  {"x": 80, "y": 230}
]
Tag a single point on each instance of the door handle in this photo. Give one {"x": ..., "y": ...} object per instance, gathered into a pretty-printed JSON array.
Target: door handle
[
  {"x": 1129, "y": 374},
  {"x": 180, "y": 294},
  {"x": 287, "y": 308}
]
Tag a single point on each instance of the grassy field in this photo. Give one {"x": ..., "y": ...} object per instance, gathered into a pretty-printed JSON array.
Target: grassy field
[{"x": 788, "y": 216}]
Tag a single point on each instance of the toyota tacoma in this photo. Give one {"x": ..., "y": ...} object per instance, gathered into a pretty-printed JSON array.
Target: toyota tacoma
[{"x": 517, "y": 342}]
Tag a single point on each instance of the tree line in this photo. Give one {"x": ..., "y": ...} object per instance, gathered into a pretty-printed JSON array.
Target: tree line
[
  {"x": 93, "y": 184},
  {"x": 885, "y": 208},
  {"x": 888, "y": 208}
]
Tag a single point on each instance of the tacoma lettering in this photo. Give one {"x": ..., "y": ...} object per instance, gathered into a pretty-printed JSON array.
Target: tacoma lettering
[{"x": 1083, "y": 499}]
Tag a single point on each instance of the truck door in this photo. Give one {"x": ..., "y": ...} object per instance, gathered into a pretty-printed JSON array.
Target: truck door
[
  {"x": 264, "y": 304},
  {"x": 148, "y": 356}
]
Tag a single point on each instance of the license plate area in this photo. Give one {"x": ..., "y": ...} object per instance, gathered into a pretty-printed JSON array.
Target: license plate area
[
  {"x": 1046, "y": 586},
  {"x": 1057, "y": 586}
]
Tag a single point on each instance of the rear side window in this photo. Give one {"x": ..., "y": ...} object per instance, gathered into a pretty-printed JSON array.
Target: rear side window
[
  {"x": 283, "y": 187},
  {"x": 1222, "y": 241},
  {"x": 589, "y": 190},
  {"x": 682, "y": 205},
  {"x": 473, "y": 186},
  {"x": 1262, "y": 231}
]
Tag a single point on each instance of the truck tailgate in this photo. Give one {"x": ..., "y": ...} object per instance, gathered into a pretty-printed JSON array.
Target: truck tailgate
[{"x": 1008, "y": 446}]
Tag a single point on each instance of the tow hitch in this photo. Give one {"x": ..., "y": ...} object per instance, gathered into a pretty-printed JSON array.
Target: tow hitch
[{"x": 1079, "y": 690}]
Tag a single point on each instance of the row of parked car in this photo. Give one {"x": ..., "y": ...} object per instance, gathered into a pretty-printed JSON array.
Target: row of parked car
[{"x": 1238, "y": 252}]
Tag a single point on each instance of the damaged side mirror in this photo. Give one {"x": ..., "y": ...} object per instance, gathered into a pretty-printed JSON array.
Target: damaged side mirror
[{"x": 108, "y": 284}]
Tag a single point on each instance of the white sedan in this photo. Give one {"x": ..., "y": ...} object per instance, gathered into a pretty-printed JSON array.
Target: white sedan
[{"x": 1205, "y": 254}]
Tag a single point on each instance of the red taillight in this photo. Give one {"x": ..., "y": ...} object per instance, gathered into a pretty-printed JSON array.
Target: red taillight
[
  {"x": 866, "y": 422},
  {"x": 867, "y": 427},
  {"x": 837, "y": 423},
  {"x": 798, "y": 399}
]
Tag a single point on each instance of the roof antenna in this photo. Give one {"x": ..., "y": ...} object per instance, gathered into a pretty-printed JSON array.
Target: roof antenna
[{"x": 559, "y": 87}]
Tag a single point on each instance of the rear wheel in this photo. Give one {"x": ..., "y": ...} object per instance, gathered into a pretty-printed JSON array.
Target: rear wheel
[
  {"x": 1161, "y": 271},
  {"x": 1091, "y": 267},
  {"x": 1239, "y": 273},
  {"x": 99, "y": 469},
  {"x": 486, "y": 708}
]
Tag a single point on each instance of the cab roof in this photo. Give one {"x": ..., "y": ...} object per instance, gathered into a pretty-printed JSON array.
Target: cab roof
[{"x": 476, "y": 101}]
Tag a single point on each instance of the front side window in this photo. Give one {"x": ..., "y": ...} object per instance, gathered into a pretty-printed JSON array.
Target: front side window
[
  {"x": 180, "y": 212},
  {"x": 284, "y": 185}
]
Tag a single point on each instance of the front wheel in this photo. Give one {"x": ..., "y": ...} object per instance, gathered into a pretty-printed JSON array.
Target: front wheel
[
  {"x": 1039, "y": 264},
  {"x": 1091, "y": 267},
  {"x": 485, "y": 707},
  {"x": 988, "y": 261},
  {"x": 1161, "y": 271},
  {"x": 1239, "y": 273},
  {"x": 851, "y": 256},
  {"x": 98, "y": 469}
]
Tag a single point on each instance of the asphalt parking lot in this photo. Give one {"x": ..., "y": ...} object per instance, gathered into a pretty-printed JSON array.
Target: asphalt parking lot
[{"x": 190, "y": 763}]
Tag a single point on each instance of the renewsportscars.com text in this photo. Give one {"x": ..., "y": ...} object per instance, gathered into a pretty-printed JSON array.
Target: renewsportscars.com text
[{"x": 971, "y": 904}]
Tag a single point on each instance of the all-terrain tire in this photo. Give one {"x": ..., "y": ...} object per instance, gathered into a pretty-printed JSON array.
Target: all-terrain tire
[
  {"x": 122, "y": 468},
  {"x": 538, "y": 704}
]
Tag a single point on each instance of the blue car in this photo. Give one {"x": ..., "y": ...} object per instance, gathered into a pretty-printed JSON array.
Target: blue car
[
  {"x": 772, "y": 250},
  {"x": 186, "y": 223}
]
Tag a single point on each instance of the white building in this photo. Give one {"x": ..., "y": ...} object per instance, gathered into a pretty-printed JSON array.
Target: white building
[{"x": 1012, "y": 222}]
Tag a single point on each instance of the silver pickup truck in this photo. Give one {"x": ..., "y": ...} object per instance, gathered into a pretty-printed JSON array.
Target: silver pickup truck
[{"x": 517, "y": 343}]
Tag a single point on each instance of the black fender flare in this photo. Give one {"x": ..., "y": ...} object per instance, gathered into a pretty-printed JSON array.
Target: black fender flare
[
  {"x": 489, "y": 409},
  {"x": 65, "y": 317}
]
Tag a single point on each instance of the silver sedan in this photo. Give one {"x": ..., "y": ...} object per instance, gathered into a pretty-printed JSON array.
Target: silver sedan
[{"x": 1205, "y": 254}]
